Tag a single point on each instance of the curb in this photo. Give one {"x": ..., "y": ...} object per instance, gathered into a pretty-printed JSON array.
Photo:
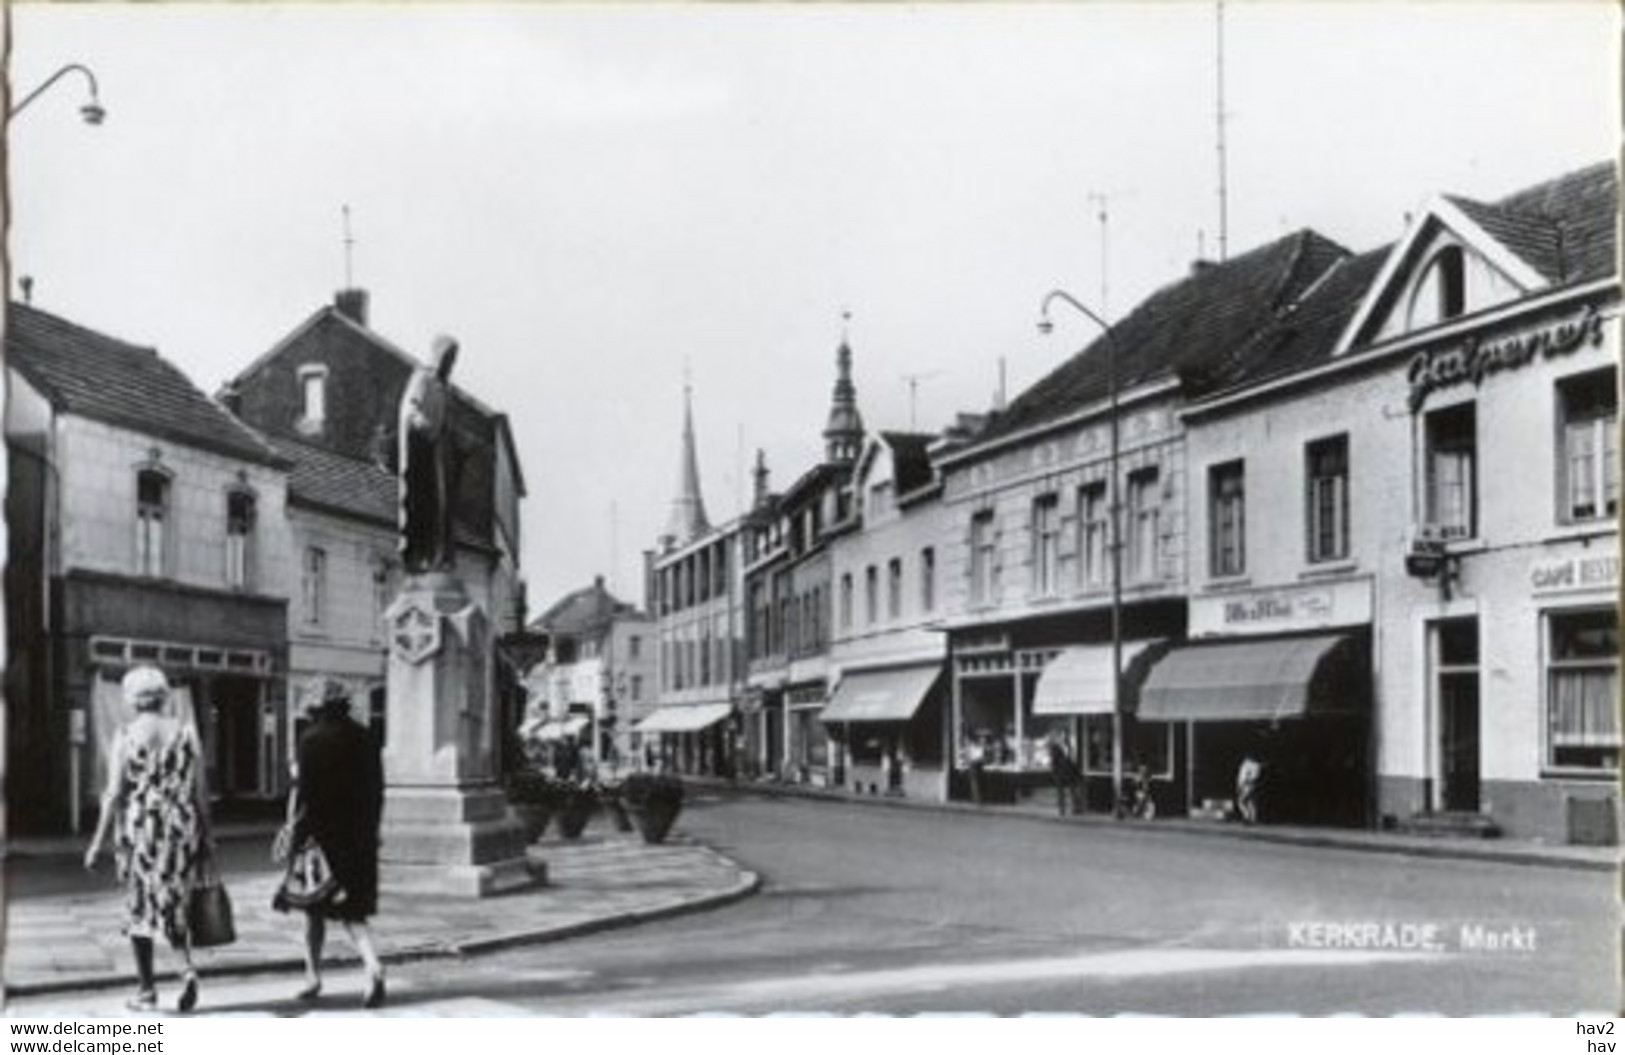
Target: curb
[
  {"x": 10, "y": 850},
  {"x": 748, "y": 883},
  {"x": 1443, "y": 849}
]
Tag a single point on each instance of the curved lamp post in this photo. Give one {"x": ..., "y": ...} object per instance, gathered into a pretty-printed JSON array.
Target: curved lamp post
[
  {"x": 92, "y": 112},
  {"x": 1113, "y": 544}
]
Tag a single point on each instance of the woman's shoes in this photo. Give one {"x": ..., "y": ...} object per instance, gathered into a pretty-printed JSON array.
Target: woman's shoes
[
  {"x": 188, "y": 998},
  {"x": 143, "y": 1000},
  {"x": 375, "y": 991},
  {"x": 310, "y": 992}
]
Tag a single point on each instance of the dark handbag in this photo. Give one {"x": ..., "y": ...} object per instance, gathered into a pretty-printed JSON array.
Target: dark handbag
[
  {"x": 308, "y": 880},
  {"x": 208, "y": 909}
]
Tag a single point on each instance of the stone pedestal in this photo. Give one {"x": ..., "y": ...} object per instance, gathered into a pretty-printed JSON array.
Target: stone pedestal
[{"x": 447, "y": 828}]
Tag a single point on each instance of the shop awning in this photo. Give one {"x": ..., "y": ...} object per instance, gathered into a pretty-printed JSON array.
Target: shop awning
[
  {"x": 559, "y": 728},
  {"x": 1079, "y": 680},
  {"x": 1240, "y": 681},
  {"x": 685, "y": 718},
  {"x": 881, "y": 695}
]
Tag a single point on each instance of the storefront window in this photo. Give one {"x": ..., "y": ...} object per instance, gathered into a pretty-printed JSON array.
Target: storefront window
[
  {"x": 1582, "y": 679},
  {"x": 1144, "y": 743}
]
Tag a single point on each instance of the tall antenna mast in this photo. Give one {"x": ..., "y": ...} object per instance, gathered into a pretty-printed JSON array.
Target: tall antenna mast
[
  {"x": 614, "y": 544},
  {"x": 1224, "y": 191},
  {"x": 1102, "y": 201},
  {"x": 349, "y": 251}
]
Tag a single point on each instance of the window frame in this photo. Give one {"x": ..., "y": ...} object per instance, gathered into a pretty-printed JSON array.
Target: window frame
[
  {"x": 1227, "y": 518},
  {"x": 1339, "y": 480},
  {"x": 308, "y": 374},
  {"x": 983, "y": 555},
  {"x": 1094, "y": 526},
  {"x": 1145, "y": 525},
  {"x": 1459, "y": 447},
  {"x": 154, "y": 522},
  {"x": 313, "y": 587},
  {"x": 1602, "y": 424},
  {"x": 1045, "y": 529},
  {"x": 1550, "y": 668},
  {"x": 928, "y": 579}
]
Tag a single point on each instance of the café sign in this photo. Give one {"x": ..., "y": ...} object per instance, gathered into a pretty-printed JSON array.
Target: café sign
[
  {"x": 1475, "y": 359},
  {"x": 1589, "y": 572}
]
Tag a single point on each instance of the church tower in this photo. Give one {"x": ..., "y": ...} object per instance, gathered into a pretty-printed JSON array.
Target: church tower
[
  {"x": 843, "y": 436},
  {"x": 687, "y": 521}
]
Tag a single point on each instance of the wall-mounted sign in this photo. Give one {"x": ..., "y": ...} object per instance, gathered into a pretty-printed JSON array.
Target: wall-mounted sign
[
  {"x": 1475, "y": 359},
  {"x": 1586, "y": 572},
  {"x": 1283, "y": 609}
]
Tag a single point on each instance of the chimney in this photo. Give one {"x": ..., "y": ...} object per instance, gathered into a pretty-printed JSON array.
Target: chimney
[
  {"x": 352, "y": 304},
  {"x": 758, "y": 494},
  {"x": 231, "y": 398},
  {"x": 1198, "y": 266}
]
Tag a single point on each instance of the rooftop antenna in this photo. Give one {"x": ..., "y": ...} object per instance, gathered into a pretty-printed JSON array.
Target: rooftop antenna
[
  {"x": 349, "y": 251},
  {"x": 614, "y": 543},
  {"x": 998, "y": 398},
  {"x": 1224, "y": 193},
  {"x": 1102, "y": 201},
  {"x": 913, "y": 382}
]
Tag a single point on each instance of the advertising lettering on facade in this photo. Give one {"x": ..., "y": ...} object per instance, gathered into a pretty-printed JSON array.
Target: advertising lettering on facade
[
  {"x": 1474, "y": 359},
  {"x": 1574, "y": 573},
  {"x": 1282, "y": 610}
]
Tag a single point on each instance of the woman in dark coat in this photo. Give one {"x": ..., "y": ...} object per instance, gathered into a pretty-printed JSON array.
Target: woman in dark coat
[{"x": 340, "y": 800}]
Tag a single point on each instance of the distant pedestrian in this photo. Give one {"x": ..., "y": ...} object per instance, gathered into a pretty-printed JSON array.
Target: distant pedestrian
[
  {"x": 1249, "y": 782},
  {"x": 1068, "y": 777},
  {"x": 976, "y": 765},
  {"x": 156, "y": 802},
  {"x": 337, "y": 802}
]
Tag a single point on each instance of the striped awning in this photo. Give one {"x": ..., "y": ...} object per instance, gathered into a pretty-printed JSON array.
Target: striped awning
[
  {"x": 881, "y": 695},
  {"x": 1241, "y": 681},
  {"x": 1079, "y": 680}
]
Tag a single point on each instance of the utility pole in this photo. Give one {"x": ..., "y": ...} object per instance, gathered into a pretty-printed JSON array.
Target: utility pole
[{"x": 1224, "y": 192}]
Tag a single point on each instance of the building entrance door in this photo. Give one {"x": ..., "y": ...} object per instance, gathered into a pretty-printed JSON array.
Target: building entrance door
[
  {"x": 1457, "y": 692},
  {"x": 235, "y": 707}
]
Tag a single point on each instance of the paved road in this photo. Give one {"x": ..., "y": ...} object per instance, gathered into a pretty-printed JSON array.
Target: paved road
[{"x": 874, "y": 909}]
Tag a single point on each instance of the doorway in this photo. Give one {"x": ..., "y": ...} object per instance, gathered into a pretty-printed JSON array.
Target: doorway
[{"x": 1457, "y": 692}]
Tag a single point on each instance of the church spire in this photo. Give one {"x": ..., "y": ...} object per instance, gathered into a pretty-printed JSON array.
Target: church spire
[
  {"x": 843, "y": 436},
  {"x": 688, "y": 520}
]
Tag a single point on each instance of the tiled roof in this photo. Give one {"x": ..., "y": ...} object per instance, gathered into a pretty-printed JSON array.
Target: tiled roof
[
  {"x": 1536, "y": 241},
  {"x": 1306, "y": 335},
  {"x": 911, "y": 466},
  {"x": 586, "y": 612},
  {"x": 338, "y": 483},
  {"x": 95, "y": 376},
  {"x": 1583, "y": 206},
  {"x": 1190, "y": 328}
]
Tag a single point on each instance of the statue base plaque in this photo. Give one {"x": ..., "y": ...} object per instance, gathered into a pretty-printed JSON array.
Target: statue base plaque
[{"x": 447, "y": 828}]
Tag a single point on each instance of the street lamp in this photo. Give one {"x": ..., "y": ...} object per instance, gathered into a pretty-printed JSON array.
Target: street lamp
[
  {"x": 1113, "y": 545},
  {"x": 92, "y": 112}
]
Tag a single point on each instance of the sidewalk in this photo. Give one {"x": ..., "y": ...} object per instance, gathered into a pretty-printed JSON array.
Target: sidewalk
[
  {"x": 1041, "y": 808},
  {"x": 603, "y": 880}
]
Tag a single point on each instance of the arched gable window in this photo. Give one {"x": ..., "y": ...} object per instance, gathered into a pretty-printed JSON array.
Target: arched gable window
[{"x": 1440, "y": 293}]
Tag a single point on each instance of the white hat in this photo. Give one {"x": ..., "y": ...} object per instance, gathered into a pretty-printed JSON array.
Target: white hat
[{"x": 143, "y": 683}]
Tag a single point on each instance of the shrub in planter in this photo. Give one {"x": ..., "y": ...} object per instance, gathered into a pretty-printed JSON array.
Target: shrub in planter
[
  {"x": 575, "y": 809},
  {"x": 654, "y": 800},
  {"x": 533, "y": 801},
  {"x": 612, "y": 796}
]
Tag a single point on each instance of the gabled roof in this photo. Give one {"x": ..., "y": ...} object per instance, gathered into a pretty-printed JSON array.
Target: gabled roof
[
  {"x": 92, "y": 375},
  {"x": 1184, "y": 329},
  {"x": 586, "y": 612},
  {"x": 1559, "y": 232}
]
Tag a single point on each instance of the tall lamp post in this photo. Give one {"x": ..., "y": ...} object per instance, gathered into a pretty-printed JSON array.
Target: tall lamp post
[
  {"x": 1113, "y": 544},
  {"x": 92, "y": 112}
]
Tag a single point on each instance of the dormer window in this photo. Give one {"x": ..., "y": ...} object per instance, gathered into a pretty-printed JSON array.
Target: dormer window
[
  {"x": 312, "y": 398},
  {"x": 1440, "y": 293}
]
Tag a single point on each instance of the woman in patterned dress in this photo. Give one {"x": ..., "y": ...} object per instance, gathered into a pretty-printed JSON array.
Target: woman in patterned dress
[{"x": 156, "y": 807}]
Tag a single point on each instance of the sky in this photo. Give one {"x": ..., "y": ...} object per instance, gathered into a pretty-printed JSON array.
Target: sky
[{"x": 601, "y": 200}]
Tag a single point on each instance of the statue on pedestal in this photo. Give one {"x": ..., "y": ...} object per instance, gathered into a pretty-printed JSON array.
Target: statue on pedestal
[{"x": 425, "y": 464}]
